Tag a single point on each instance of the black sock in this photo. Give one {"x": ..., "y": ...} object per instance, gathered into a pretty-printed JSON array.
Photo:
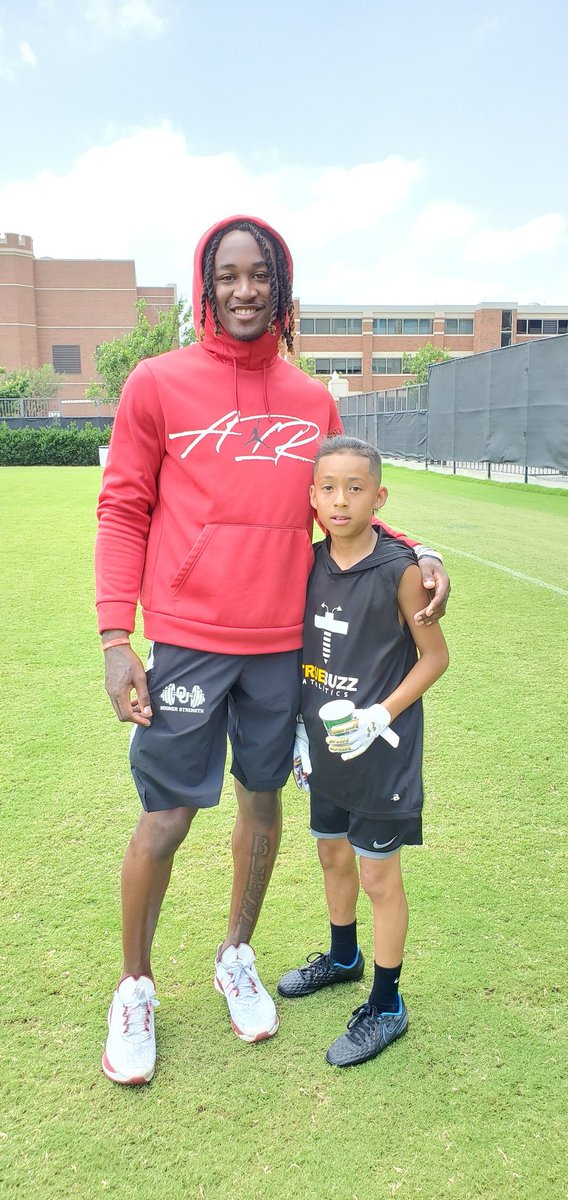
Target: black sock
[
  {"x": 343, "y": 944},
  {"x": 384, "y": 994}
]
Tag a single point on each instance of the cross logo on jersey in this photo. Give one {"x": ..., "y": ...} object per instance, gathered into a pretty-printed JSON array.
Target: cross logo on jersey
[{"x": 330, "y": 625}]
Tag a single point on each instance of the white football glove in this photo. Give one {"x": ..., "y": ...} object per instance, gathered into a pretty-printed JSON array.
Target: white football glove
[
  {"x": 365, "y": 724},
  {"x": 302, "y": 766}
]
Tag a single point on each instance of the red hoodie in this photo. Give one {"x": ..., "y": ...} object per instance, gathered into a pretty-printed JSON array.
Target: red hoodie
[{"x": 204, "y": 512}]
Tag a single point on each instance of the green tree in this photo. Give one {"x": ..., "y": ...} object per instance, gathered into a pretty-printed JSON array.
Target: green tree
[
  {"x": 14, "y": 384},
  {"x": 45, "y": 381},
  {"x": 417, "y": 364},
  {"x": 30, "y": 381},
  {"x": 307, "y": 363},
  {"x": 115, "y": 360}
]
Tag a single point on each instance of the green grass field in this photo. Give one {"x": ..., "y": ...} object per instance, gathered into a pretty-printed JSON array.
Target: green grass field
[{"x": 469, "y": 1103}]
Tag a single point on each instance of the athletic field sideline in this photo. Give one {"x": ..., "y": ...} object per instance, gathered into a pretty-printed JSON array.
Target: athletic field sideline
[{"x": 468, "y": 1104}]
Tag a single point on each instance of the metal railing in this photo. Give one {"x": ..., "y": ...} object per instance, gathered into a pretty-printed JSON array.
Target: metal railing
[
  {"x": 28, "y": 406},
  {"x": 493, "y": 470},
  {"x": 31, "y": 408},
  {"x": 403, "y": 399}
]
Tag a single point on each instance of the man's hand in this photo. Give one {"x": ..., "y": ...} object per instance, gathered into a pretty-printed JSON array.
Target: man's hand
[
  {"x": 353, "y": 738},
  {"x": 302, "y": 766},
  {"x": 436, "y": 580},
  {"x": 125, "y": 673}
]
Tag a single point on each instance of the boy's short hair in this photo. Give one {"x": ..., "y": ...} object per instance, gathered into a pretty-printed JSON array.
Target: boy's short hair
[{"x": 342, "y": 444}]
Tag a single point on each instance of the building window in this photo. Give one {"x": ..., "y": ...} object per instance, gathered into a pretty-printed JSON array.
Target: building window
[
  {"x": 325, "y": 325},
  {"x": 343, "y": 366},
  {"x": 461, "y": 325},
  {"x": 505, "y": 337},
  {"x": 548, "y": 325},
  {"x": 66, "y": 359},
  {"x": 346, "y": 325},
  {"x": 387, "y": 366},
  {"x": 506, "y": 320},
  {"x": 411, "y": 326}
]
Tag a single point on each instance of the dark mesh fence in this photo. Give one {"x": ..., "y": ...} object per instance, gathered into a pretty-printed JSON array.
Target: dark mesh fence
[
  {"x": 395, "y": 420},
  {"x": 506, "y": 406}
]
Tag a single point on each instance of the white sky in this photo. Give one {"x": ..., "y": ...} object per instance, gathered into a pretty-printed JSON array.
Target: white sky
[{"x": 409, "y": 153}]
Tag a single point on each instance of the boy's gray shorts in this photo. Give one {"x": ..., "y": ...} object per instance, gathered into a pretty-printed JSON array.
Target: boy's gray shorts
[{"x": 197, "y": 698}]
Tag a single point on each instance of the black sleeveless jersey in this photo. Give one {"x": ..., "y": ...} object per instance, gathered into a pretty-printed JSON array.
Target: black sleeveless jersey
[{"x": 355, "y": 648}]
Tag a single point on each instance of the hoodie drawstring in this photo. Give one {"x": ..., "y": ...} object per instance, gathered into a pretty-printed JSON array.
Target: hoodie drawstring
[
  {"x": 236, "y": 388},
  {"x": 265, "y": 388}
]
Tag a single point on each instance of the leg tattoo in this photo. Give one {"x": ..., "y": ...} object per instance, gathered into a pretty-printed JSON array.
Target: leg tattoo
[{"x": 255, "y": 887}]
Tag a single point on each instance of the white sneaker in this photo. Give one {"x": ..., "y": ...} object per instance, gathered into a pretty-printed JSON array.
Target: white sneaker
[
  {"x": 130, "y": 1051},
  {"x": 253, "y": 1012}
]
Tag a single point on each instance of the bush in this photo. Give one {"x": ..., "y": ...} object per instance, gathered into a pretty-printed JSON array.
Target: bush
[{"x": 52, "y": 445}]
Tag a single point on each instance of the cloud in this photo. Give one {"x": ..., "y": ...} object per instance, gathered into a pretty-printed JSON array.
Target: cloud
[
  {"x": 11, "y": 59},
  {"x": 6, "y": 66},
  {"x": 486, "y": 29},
  {"x": 506, "y": 245},
  {"x": 131, "y": 16},
  {"x": 27, "y": 55},
  {"x": 366, "y": 234},
  {"x": 444, "y": 221},
  {"x": 146, "y": 196}
]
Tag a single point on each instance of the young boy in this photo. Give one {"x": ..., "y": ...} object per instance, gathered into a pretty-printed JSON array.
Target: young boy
[{"x": 360, "y": 643}]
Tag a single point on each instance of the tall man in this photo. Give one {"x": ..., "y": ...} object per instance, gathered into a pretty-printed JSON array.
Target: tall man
[{"x": 205, "y": 518}]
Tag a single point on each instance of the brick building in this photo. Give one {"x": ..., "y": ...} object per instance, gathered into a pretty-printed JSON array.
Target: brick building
[
  {"x": 366, "y": 344},
  {"x": 57, "y": 311}
]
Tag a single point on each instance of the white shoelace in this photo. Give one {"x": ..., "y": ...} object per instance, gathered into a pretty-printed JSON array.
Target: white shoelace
[
  {"x": 242, "y": 983},
  {"x": 136, "y": 1016}
]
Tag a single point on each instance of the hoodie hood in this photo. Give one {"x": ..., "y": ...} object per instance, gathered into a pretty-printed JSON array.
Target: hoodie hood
[{"x": 252, "y": 355}]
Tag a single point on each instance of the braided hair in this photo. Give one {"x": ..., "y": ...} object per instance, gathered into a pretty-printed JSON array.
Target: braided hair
[{"x": 282, "y": 303}]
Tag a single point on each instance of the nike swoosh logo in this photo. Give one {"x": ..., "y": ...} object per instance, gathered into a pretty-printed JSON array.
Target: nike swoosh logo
[{"x": 383, "y": 845}]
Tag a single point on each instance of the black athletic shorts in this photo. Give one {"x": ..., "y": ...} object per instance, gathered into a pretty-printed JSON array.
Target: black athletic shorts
[
  {"x": 371, "y": 837},
  {"x": 197, "y": 698}
]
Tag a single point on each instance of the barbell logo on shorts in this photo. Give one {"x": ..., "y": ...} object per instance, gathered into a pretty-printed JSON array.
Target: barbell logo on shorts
[{"x": 180, "y": 699}]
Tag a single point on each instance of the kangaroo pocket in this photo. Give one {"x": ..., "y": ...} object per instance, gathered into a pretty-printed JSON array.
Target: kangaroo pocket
[{"x": 244, "y": 577}]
